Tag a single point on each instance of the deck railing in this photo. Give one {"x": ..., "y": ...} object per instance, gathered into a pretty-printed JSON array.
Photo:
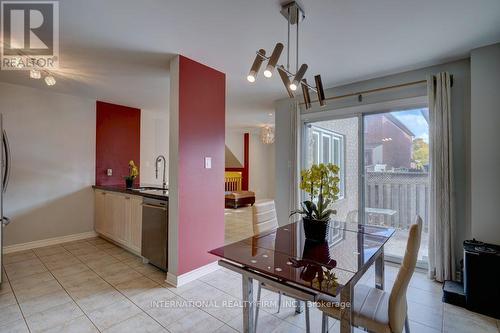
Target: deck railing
[{"x": 401, "y": 195}]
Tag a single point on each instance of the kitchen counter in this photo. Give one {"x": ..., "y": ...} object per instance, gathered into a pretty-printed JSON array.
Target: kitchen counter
[{"x": 154, "y": 194}]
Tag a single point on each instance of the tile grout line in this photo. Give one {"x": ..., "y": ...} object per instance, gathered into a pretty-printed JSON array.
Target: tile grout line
[
  {"x": 269, "y": 313},
  {"x": 55, "y": 278},
  {"x": 180, "y": 296},
  {"x": 175, "y": 295},
  {"x": 128, "y": 263},
  {"x": 124, "y": 261},
  {"x": 17, "y": 301},
  {"x": 119, "y": 260}
]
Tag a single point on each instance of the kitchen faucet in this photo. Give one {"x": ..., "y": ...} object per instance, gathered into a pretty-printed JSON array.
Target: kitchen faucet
[{"x": 158, "y": 159}]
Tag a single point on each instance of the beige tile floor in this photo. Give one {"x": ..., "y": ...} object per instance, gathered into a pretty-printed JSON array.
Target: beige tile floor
[{"x": 95, "y": 286}]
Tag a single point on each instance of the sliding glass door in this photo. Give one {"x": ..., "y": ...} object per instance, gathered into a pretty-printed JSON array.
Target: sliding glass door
[
  {"x": 396, "y": 175},
  {"x": 384, "y": 163}
]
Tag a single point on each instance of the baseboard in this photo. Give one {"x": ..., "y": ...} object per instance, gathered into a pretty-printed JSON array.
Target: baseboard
[
  {"x": 180, "y": 280},
  {"x": 48, "y": 242}
]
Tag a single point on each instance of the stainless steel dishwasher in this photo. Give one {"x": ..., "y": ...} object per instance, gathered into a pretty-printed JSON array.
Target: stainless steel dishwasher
[{"x": 155, "y": 232}]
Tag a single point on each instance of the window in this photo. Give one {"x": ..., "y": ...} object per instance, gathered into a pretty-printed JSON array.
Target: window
[{"x": 328, "y": 147}]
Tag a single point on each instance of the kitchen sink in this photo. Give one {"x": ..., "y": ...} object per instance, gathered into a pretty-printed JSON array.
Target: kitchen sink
[
  {"x": 152, "y": 190},
  {"x": 149, "y": 188}
]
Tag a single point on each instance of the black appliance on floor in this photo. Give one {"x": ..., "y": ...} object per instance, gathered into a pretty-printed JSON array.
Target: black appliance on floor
[{"x": 480, "y": 291}]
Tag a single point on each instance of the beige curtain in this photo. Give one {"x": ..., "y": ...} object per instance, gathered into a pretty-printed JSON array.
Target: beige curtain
[{"x": 442, "y": 219}]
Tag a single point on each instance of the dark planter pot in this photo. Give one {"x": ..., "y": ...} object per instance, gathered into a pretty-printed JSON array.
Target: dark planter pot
[
  {"x": 129, "y": 183},
  {"x": 316, "y": 230}
]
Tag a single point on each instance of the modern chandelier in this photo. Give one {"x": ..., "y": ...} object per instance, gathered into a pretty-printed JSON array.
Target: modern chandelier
[{"x": 293, "y": 13}]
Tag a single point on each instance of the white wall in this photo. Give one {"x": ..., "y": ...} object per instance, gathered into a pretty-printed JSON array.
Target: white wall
[
  {"x": 52, "y": 137},
  {"x": 154, "y": 142},
  {"x": 485, "y": 151},
  {"x": 261, "y": 161}
]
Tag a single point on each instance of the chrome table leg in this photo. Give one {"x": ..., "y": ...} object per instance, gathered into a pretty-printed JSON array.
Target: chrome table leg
[
  {"x": 346, "y": 297},
  {"x": 379, "y": 271},
  {"x": 298, "y": 306},
  {"x": 248, "y": 319}
]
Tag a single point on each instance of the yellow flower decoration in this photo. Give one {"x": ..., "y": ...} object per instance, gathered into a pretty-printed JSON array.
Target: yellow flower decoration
[
  {"x": 321, "y": 182},
  {"x": 133, "y": 170}
]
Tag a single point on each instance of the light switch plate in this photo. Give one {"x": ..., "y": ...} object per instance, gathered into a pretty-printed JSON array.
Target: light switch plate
[
  {"x": 208, "y": 163},
  {"x": 109, "y": 172}
]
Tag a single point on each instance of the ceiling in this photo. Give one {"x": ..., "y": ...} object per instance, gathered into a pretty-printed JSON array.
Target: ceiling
[{"x": 119, "y": 51}]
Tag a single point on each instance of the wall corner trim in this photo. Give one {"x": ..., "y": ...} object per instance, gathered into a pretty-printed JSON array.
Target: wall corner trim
[
  {"x": 195, "y": 274},
  {"x": 48, "y": 242}
]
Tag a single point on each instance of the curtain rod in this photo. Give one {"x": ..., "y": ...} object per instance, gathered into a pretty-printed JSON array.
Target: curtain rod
[{"x": 361, "y": 93}]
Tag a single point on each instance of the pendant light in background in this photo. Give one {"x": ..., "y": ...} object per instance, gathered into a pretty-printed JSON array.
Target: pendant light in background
[{"x": 267, "y": 134}]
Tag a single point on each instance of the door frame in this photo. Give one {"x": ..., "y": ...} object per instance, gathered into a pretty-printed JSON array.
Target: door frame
[{"x": 359, "y": 111}]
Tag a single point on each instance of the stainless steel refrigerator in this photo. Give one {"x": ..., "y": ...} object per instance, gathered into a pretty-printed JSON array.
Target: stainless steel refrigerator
[{"x": 5, "y": 172}]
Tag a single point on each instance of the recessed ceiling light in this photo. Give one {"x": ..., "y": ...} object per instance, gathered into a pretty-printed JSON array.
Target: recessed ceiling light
[
  {"x": 50, "y": 80},
  {"x": 35, "y": 74}
]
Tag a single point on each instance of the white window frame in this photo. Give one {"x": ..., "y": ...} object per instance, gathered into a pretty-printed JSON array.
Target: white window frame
[{"x": 333, "y": 137}]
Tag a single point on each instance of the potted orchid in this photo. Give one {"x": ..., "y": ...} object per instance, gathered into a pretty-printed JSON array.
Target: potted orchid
[
  {"x": 133, "y": 172},
  {"x": 321, "y": 182}
]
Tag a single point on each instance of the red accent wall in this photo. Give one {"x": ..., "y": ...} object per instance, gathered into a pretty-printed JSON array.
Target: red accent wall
[
  {"x": 118, "y": 139},
  {"x": 201, "y": 191},
  {"x": 246, "y": 161}
]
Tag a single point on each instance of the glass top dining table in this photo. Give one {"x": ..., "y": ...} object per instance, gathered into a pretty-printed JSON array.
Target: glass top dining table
[{"x": 286, "y": 260}]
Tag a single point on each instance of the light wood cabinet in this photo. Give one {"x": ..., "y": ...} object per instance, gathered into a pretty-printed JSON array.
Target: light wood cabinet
[
  {"x": 118, "y": 217},
  {"x": 99, "y": 211},
  {"x": 135, "y": 223}
]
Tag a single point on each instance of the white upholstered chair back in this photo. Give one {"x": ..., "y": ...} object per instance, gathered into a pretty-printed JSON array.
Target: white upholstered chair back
[
  {"x": 397, "y": 300},
  {"x": 264, "y": 217}
]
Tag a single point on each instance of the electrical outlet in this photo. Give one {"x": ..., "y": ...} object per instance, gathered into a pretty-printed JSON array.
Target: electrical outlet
[
  {"x": 208, "y": 163},
  {"x": 109, "y": 172}
]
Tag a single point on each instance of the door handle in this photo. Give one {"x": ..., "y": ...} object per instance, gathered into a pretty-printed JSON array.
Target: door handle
[
  {"x": 6, "y": 171},
  {"x": 5, "y": 220},
  {"x": 154, "y": 206}
]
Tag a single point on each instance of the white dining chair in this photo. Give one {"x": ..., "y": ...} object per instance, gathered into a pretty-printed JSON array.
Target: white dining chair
[
  {"x": 264, "y": 216},
  {"x": 264, "y": 219},
  {"x": 376, "y": 310}
]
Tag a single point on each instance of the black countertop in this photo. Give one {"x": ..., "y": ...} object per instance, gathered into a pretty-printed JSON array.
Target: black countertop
[{"x": 143, "y": 193}]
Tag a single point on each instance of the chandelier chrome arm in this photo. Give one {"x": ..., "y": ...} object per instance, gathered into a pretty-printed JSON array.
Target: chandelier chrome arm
[{"x": 293, "y": 13}]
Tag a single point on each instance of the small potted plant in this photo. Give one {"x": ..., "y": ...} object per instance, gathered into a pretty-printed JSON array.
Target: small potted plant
[
  {"x": 133, "y": 172},
  {"x": 321, "y": 182}
]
